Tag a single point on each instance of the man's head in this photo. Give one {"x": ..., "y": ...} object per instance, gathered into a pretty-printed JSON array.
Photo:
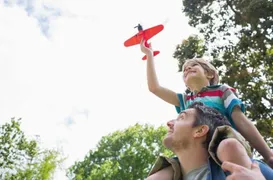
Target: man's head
[
  {"x": 194, "y": 125},
  {"x": 198, "y": 69}
]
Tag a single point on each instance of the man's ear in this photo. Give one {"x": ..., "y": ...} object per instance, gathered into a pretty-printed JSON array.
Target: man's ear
[{"x": 201, "y": 131}]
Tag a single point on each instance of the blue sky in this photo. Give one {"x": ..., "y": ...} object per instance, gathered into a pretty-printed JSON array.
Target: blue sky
[
  {"x": 43, "y": 12},
  {"x": 65, "y": 72}
]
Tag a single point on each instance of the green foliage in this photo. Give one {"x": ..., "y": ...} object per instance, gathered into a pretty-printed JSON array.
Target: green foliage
[
  {"x": 126, "y": 154},
  {"x": 220, "y": 19},
  {"x": 238, "y": 37},
  {"x": 21, "y": 158},
  {"x": 192, "y": 47}
]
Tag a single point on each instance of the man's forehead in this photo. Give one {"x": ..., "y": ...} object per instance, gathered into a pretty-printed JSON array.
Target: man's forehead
[{"x": 187, "y": 111}]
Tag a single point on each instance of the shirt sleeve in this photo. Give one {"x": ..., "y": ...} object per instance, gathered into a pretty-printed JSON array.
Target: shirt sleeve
[
  {"x": 163, "y": 162},
  {"x": 181, "y": 106},
  {"x": 231, "y": 99}
]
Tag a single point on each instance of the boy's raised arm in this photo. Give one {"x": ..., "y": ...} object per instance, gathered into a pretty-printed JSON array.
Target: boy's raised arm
[{"x": 153, "y": 84}]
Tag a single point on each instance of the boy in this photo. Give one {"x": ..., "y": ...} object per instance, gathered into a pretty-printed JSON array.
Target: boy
[{"x": 202, "y": 80}]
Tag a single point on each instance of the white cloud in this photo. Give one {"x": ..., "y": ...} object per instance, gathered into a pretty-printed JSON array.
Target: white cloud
[{"x": 84, "y": 66}]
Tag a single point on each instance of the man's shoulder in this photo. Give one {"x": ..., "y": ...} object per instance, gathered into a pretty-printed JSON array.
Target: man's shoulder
[
  {"x": 215, "y": 172},
  {"x": 163, "y": 162}
]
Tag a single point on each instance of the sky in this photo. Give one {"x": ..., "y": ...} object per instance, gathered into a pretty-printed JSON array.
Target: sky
[{"x": 65, "y": 71}]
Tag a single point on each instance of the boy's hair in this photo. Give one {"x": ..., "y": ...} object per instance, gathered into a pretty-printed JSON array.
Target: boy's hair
[
  {"x": 208, "y": 67},
  {"x": 209, "y": 116}
]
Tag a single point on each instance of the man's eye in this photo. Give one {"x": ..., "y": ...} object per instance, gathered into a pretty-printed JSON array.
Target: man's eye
[{"x": 181, "y": 117}]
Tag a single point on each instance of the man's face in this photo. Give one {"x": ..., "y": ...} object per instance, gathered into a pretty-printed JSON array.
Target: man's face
[{"x": 180, "y": 132}]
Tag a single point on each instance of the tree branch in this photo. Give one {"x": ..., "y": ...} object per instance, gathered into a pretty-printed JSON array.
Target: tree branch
[{"x": 229, "y": 3}]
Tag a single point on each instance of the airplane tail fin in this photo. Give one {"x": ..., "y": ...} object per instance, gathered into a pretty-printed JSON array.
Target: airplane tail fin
[{"x": 155, "y": 53}]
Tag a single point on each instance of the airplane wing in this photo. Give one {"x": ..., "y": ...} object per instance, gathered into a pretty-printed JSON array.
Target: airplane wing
[
  {"x": 146, "y": 34},
  {"x": 133, "y": 40}
]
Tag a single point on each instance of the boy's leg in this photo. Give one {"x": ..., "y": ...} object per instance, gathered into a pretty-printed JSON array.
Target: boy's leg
[
  {"x": 164, "y": 174},
  {"x": 233, "y": 151}
]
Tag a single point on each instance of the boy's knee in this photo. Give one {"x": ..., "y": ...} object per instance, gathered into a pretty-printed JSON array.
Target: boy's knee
[
  {"x": 228, "y": 147},
  {"x": 233, "y": 151}
]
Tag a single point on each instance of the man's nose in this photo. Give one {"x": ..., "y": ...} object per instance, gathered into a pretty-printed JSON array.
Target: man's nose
[{"x": 170, "y": 123}]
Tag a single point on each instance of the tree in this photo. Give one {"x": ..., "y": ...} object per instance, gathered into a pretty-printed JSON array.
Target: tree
[
  {"x": 21, "y": 158},
  {"x": 126, "y": 154},
  {"x": 238, "y": 38},
  {"x": 189, "y": 48}
]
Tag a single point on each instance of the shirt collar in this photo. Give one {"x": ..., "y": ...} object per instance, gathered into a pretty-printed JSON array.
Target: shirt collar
[{"x": 205, "y": 89}]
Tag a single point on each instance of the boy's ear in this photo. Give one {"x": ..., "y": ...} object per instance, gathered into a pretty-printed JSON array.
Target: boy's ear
[
  {"x": 201, "y": 131},
  {"x": 210, "y": 76}
]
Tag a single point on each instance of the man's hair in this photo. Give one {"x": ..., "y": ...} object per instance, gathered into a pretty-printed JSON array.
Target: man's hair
[
  {"x": 206, "y": 115},
  {"x": 208, "y": 67}
]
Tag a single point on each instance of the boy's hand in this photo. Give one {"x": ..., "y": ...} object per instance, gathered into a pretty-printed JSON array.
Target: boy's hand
[{"x": 144, "y": 49}]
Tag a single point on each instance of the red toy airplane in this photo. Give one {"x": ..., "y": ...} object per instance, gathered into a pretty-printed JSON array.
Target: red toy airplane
[{"x": 144, "y": 34}]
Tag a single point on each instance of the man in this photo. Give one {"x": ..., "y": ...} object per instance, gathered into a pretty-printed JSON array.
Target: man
[{"x": 189, "y": 137}]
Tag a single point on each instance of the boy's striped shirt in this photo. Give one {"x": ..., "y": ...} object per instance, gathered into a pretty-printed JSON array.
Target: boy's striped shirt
[{"x": 221, "y": 97}]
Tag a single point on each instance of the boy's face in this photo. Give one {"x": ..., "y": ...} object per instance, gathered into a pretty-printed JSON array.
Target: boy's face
[{"x": 193, "y": 72}]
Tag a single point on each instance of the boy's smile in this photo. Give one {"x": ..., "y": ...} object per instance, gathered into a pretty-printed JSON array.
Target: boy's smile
[
  {"x": 189, "y": 72},
  {"x": 193, "y": 70}
]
